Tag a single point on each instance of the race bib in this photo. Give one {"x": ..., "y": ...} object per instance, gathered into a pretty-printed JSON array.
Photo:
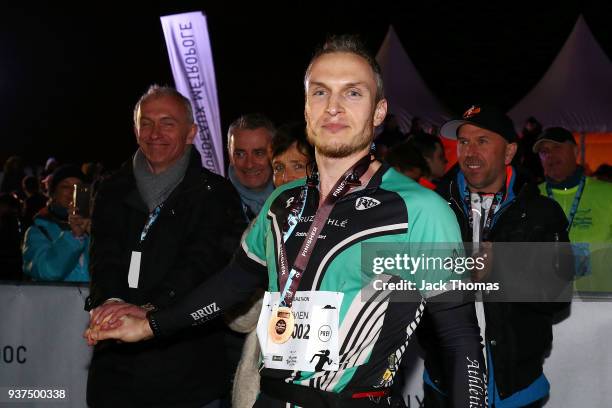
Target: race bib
[{"x": 313, "y": 345}]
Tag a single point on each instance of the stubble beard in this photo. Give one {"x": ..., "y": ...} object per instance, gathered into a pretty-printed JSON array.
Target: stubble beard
[{"x": 338, "y": 150}]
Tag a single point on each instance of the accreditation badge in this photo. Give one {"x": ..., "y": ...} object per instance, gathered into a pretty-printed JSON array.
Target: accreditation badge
[{"x": 306, "y": 341}]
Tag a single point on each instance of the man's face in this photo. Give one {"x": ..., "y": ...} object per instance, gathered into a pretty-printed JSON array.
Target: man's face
[
  {"x": 558, "y": 159},
  {"x": 437, "y": 162},
  {"x": 62, "y": 196},
  {"x": 340, "y": 110},
  {"x": 250, "y": 154},
  {"x": 483, "y": 156},
  {"x": 289, "y": 165},
  {"x": 163, "y": 131}
]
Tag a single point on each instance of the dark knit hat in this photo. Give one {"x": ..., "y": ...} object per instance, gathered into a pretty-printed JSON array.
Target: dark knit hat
[{"x": 63, "y": 172}]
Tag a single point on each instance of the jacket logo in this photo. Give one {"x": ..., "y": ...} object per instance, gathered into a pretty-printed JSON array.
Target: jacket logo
[
  {"x": 364, "y": 203},
  {"x": 289, "y": 201},
  {"x": 205, "y": 312}
]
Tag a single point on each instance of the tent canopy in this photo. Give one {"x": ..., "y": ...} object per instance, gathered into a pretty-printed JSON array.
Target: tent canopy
[
  {"x": 576, "y": 91},
  {"x": 406, "y": 92}
]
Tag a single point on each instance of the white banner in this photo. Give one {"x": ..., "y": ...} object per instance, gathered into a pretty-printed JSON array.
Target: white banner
[
  {"x": 191, "y": 60},
  {"x": 43, "y": 356}
]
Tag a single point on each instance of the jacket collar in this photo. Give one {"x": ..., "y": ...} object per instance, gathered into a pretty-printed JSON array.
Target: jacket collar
[
  {"x": 512, "y": 187},
  {"x": 572, "y": 181},
  {"x": 518, "y": 187},
  {"x": 46, "y": 213}
]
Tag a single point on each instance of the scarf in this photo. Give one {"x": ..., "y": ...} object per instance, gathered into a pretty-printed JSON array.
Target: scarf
[
  {"x": 156, "y": 188},
  {"x": 252, "y": 200}
]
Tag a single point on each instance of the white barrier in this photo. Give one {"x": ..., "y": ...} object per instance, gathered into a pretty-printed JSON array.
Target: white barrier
[
  {"x": 579, "y": 367},
  {"x": 41, "y": 348}
]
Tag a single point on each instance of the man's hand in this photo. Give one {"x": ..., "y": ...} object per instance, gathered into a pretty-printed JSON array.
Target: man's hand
[
  {"x": 108, "y": 315},
  {"x": 131, "y": 330}
]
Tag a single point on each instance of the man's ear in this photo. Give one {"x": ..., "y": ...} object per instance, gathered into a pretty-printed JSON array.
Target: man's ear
[
  {"x": 192, "y": 132},
  {"x": 577, "y": 153},
  {"x": 510, "y": 152},
  {"x": 380, "y": 112}
]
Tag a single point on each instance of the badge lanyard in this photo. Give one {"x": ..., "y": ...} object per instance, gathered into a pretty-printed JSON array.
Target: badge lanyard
[
  {"x": 575, "y": 203},
  {"x": 152, "y": 218},
  {"x": 488, "y": 223},
  {"x": 289, "y": 280}
]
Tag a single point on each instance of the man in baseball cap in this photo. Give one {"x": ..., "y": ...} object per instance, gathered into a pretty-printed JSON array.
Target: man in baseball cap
[
  {"x": 486, "y": 146},
  {"x": 493, "y": 204},
  {"x": 586, "y": 203},
  {"x": 484, "y": 117},
  {"x": 558, "y": 153}
]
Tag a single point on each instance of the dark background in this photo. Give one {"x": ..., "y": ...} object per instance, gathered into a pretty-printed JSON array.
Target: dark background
[{"x": 70, "y": 76}]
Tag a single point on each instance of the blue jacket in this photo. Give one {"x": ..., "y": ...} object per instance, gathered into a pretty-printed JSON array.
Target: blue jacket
[{"x": 52, "y": 253}]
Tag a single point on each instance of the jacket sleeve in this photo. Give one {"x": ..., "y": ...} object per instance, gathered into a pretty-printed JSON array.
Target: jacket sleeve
[
  {"x": 236, "y": 283},
  {"x": 458, "y": 338},
  {"x": 561, "y": 275},
  {"x": 46, "y": 259}
]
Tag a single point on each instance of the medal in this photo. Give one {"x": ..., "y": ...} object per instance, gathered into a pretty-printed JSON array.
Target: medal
[{"x": 281, "y": 325}]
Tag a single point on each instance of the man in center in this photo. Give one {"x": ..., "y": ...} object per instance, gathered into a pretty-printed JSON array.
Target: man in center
[{"x": 341, "y": 344}]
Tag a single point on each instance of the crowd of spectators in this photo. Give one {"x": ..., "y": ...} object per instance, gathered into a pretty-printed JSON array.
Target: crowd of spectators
[{"x": 39, "y": 236}]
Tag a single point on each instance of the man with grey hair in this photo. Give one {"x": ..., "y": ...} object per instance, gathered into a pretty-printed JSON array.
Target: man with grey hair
[
  {"x": 161, "y": 225},
  {"x": 249, "y": 140},
  {"x": 249, "y": 147}
]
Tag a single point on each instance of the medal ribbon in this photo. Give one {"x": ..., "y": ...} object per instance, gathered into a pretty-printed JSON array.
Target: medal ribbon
[{"x": 289, "y": 280}]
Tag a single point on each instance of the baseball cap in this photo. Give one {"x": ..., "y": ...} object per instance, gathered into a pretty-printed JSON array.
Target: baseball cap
[
  {"x": 554, "y": 134},
  {"x": 485, "y": 117}
]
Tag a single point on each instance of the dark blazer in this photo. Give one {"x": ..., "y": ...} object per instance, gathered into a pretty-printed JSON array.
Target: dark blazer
[{"x": 195, "y": 235}]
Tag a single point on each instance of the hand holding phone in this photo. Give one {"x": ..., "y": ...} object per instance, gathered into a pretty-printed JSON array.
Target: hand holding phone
[{"x": 81, "y": 199}]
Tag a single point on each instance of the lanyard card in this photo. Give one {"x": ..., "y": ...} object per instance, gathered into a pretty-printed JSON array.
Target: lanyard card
[{"x": 134, "y": 271}]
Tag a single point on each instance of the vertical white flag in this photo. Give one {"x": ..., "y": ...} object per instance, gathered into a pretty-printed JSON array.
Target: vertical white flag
[{"x": 194, "y": 76}]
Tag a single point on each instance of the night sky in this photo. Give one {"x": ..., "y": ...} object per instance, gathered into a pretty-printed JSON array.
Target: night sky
[{"x": 70, "y": 76}]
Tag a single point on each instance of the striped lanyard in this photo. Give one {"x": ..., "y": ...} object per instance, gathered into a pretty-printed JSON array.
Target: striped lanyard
[
  {"x": 152, "y": 218},
  {"x": 484, "y": 227},
  {"x": 290, "y": 279}
]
